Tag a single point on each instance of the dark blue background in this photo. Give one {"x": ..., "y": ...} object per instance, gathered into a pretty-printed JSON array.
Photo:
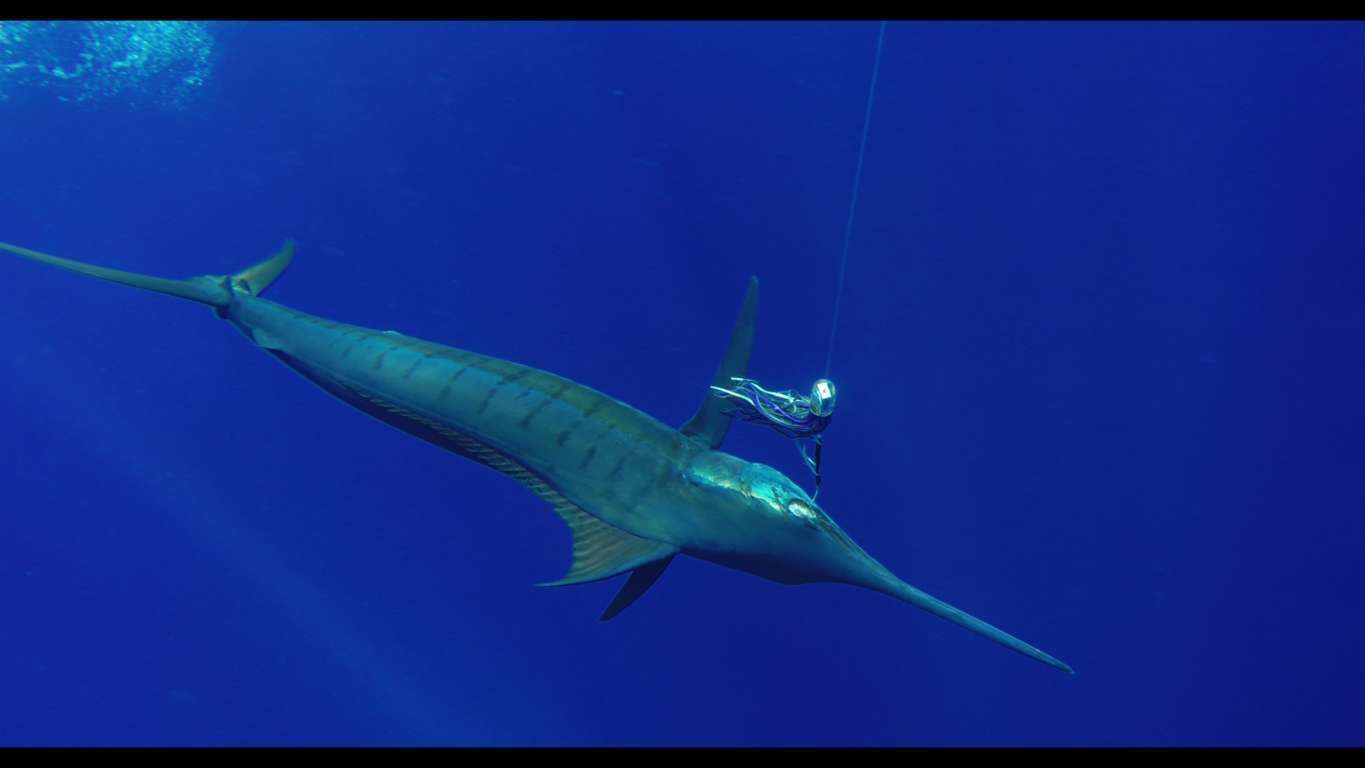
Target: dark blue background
[{"x": 1100, "y": 358}]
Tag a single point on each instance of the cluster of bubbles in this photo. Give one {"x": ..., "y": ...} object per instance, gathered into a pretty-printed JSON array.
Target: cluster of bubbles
[{"x": 132, "y": 63}]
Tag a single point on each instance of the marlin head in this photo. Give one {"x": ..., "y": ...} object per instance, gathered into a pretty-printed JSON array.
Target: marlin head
[{"x": 763, "y": 523}]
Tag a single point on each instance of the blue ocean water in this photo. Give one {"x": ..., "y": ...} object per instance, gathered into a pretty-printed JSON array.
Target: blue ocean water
[{"x": 1099, "y": 357}]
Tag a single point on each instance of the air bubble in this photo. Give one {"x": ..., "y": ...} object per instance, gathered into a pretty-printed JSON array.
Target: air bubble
[{"x": 162, "y": 64}]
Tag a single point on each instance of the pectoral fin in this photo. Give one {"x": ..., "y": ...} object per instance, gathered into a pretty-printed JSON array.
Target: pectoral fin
[
  {"x": 641, "y": 579},
  {"x": 710, "y": 423}
]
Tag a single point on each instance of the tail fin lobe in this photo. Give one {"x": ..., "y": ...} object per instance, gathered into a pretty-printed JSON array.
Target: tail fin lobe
[
  {"x": 207, "y": 289},
  {"x": 256, "y": 278}
]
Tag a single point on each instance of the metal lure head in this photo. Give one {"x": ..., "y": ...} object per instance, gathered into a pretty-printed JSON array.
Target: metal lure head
[{"x": 822, "y": 397}]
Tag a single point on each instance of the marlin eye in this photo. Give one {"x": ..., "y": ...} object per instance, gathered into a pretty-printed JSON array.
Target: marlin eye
[{"x": 802, "y": 510}]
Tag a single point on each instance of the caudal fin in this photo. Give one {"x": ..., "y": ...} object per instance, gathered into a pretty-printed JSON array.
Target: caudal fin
[
  {"x": 206, "y": 289},
  {"x": 255, "y": 279}
]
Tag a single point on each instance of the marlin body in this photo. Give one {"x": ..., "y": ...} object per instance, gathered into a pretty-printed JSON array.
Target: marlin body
[{"x": 634, "y": 491}]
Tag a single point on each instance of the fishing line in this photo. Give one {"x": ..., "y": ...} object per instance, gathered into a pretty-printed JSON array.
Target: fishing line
[{"x": 853, "y": 203}]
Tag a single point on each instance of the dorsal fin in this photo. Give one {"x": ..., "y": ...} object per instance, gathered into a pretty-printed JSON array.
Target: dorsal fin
[
  {"x": 710, "y": 423},
  {"x": 600, "y": 551}
]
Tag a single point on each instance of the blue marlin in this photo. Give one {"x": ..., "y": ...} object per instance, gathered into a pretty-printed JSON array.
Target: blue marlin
[{"x": 634, "y": 491}]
